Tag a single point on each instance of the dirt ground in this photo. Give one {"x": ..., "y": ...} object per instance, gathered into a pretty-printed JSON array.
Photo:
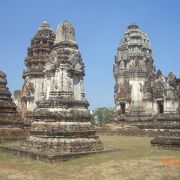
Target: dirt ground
[{"x": 136, "y": 160}]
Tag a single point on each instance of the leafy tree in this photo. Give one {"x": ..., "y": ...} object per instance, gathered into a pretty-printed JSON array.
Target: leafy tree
[{"x": 102, "y": 115}]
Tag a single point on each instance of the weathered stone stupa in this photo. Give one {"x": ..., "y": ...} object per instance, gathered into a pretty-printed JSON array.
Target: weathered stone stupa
[
  {"x": 62, "y": 119},
  {"x": 37, "y": 56},
  {"x": 143, "y": 96},
  {"x": 10, "y": 122}
]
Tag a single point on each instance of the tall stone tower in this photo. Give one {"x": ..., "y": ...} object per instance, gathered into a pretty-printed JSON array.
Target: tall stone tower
[
  {"x": 62, "y": 119},
  {"x": 141, "y": 92},
  {"x": 133, "y": 64},
  {"x": 38, "y": 53}
]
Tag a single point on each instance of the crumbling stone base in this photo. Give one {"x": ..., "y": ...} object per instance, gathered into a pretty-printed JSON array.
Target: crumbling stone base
[
  {"x": 47, "y": 144},
  {"x": 62, "y": 137},
  {"x": 12, "y": 134},
  {"x": 173, "y": 142}
]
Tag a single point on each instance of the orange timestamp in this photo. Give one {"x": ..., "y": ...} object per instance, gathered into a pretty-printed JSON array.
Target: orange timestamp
[{"x": 170, "y": 161}]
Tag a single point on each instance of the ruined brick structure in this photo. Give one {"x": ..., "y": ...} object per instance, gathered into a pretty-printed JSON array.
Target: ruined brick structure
[
  {"x": 143, "y": 95},
  {"x": 10, "y": 122},
  {"x": 37, "y": 56},
  {"x": 61, "y": 119}
]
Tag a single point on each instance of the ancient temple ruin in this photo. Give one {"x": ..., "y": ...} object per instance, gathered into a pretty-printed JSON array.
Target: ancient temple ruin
[
  {"x": 61, "y": 119},
  {"x": 33, "y": 75},
  {"x": 142, "y": 93},
  {"x": 10, "y": 121}
]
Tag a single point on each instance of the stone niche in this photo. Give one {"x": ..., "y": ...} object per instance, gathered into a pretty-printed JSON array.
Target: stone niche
[
  {"x": 10, "y": 121},
  {"x": 62, "y": 119}
]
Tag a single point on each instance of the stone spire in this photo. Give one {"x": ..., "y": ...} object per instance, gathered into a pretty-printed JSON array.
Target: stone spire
[
  {"x": 62, "y": 119},
  {"x": 10, "y": 121},
  {"x": 65, "y": 32},
  {"x": 44, "y": 26},
  {"x": 133, "y": 65},
  {"x": 135, "y": 50},
  {"x": 38, "y": 52}
]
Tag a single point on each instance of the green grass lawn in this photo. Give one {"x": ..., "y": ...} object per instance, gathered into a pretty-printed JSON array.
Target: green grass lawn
[{"x": 136, "y": 160}]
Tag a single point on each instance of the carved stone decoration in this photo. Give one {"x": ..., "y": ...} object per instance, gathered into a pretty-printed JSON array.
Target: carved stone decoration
[
  {"x": 171, "y": 79},
  {"x": 147, "y": 88},
  {"x": 123, "y": 91},
  {"x": 159, "y": 74},
  {"x": 62, "y": 119},
  {"x": 30, "y": 88},
  {"x": 159, "y": 89}
]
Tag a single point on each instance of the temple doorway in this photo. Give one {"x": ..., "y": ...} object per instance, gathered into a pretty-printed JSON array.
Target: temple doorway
[
  {"x": 160, "y": 106},
  {"x": 123, "y": 105}
]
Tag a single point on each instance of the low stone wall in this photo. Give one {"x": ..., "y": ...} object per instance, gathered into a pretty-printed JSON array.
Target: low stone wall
[
  {"x": 12, "y": 134},
  {"x": 137, "y": 132}
]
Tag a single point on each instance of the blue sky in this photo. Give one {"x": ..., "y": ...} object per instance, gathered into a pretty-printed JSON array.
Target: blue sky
[{"x": 99, "y": 25}]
